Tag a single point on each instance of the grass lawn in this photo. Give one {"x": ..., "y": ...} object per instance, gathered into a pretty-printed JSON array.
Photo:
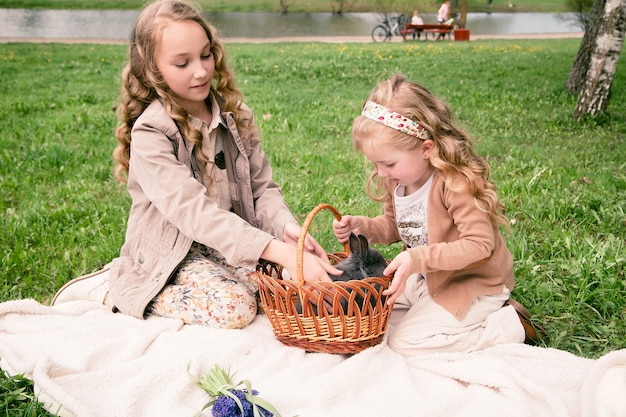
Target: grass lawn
[{"x": 563, "y": 182}]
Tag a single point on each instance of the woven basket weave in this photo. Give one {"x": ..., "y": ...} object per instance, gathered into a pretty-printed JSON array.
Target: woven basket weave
[{"x": 354, "y": 313}]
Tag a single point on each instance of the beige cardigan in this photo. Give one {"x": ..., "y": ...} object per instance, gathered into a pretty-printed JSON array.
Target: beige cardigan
[
  {"x": 170, "y": 207},
  {"x": 466, "y": 256}
]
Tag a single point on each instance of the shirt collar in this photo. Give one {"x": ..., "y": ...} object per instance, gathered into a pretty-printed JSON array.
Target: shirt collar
[{"x": 216, "y": 115}]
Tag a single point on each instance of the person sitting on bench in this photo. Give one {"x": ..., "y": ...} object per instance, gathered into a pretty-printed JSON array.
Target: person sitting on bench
[{"x": 416, "y": 19}]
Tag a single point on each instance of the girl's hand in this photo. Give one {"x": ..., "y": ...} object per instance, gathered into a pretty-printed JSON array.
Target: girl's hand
[
  {"x": 401, "y": 267},
  {"x": 291, "y": 234},
  {"x": 314, "y": 268},
  {"x": 343, "y": 227}
]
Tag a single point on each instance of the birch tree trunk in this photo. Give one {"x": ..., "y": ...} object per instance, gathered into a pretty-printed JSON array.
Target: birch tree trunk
[
  {"x": 594, "y": 96},
  {"x": 578, "y": 73}
]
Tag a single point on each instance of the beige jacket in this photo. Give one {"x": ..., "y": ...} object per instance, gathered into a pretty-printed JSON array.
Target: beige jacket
[
  {"x": 466, "y": 256},
  {"x": 170, "y": 208}
]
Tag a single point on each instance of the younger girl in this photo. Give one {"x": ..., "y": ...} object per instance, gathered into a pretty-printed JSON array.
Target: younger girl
[
  {"x": 456, "y": 274},
  {"x": 204, "y": 205}
]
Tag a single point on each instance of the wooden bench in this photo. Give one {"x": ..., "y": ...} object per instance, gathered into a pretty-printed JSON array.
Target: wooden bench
[{"x": 426, "y": 29}]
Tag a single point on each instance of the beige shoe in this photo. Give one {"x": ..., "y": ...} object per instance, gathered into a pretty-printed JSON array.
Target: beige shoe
[{"x": 90, "y": 287}]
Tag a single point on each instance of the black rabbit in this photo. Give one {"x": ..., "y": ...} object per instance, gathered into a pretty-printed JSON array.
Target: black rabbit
[{"x": 362, "y": 262}]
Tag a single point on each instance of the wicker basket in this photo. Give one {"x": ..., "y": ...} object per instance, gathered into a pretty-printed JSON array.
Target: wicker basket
[{"x": 354, "y": 316}]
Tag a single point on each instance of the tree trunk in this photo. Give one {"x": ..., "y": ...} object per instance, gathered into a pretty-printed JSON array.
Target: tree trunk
[
  {"x": 578, "y": 73},
  {"x": 594, "y": 96},
  {"x": 463, "y": 13},
  {"x": 339, "y": 6},
  {"x": 284, "y": 6}
]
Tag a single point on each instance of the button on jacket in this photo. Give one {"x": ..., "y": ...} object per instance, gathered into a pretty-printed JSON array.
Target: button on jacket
[{"x": 170, "y": 207}]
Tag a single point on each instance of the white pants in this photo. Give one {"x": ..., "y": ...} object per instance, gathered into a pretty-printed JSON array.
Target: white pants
[{"x": 418, "y": 325}]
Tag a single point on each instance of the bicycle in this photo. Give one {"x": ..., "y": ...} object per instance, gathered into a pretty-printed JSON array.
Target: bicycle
[{"x": 384, "y": 31}]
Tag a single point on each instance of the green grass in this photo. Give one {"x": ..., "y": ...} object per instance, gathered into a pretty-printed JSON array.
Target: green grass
[
  {"x": 309, "y": 6},
  {"x": 563, "y": 182},
  {"x": 17, "y": 397}
]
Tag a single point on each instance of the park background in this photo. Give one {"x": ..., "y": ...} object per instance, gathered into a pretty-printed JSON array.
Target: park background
[
  {"x": 563, "y": 181},
  {"x": 425, "y": 6}
]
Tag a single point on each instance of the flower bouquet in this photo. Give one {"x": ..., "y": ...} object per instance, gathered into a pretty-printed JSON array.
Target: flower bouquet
[{"x": 233, "y": 400}]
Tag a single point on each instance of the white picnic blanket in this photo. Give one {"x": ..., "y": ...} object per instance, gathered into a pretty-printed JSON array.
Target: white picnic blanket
[{"x": 86, "y": 361}]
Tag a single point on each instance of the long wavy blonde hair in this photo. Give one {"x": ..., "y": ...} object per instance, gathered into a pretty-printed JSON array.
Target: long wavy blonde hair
[
  {"x": 142, "y": 82},
  {"x": 453, "y": 151}
]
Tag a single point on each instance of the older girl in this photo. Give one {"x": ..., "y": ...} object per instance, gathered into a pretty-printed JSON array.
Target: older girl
[{"x": 204, "y": 205}]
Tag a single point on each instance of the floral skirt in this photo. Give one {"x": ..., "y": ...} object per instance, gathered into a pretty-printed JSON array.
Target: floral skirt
[{"x": 206, "y": 290}]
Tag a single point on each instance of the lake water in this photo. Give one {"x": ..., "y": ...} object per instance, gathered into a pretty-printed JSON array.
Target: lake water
[{"x": 117, "y": 24}]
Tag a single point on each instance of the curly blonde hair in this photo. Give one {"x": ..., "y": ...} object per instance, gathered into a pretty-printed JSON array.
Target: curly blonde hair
[
  {"x": 142, "y": 83},
  {"x": 453, "y": 152}
]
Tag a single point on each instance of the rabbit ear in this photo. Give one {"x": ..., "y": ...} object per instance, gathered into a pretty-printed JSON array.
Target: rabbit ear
[
  {"x": 364, "y": 244},
  {"x": 355, "y": 248}
]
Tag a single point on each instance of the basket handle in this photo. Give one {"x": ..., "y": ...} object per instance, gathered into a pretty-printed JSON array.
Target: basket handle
[{"x": 305, "y": 230}]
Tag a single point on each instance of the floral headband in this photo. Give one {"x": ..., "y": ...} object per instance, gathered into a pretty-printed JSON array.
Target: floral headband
[{"x": 394, "y": 120}]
